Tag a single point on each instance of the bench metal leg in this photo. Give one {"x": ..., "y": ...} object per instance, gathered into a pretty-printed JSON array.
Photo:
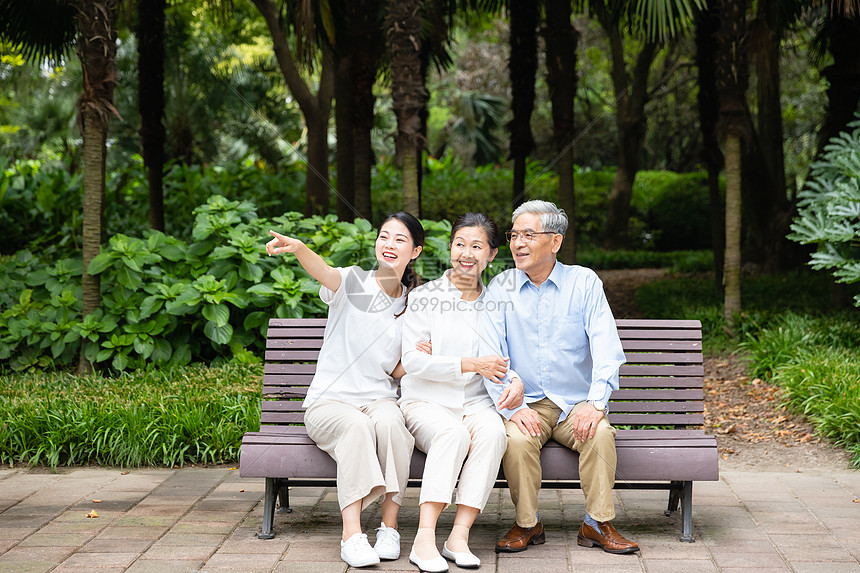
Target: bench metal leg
[
  {"x": 284, "y": 496},
  {"x": 687, "y": 512},
  {"x": 674, "y": 497},
  {"x": 267, "y": 531}
]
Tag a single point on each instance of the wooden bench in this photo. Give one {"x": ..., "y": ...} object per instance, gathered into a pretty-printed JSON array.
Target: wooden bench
[{"x": 659, "y": 410}]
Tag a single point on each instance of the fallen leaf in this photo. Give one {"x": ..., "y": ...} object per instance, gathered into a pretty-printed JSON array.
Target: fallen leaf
[
  {"x": 97, "y": 501},
  {"x": 231, "y": 469},
  {"x": 93, "y": 514},
  {"x": 241, "y": 490},
  {"x": 125, "y": 473}
]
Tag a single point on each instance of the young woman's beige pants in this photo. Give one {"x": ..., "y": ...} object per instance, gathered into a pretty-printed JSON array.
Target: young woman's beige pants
[
  {"x": 448, "y": 439},
  {"x": 370, "y": 444}
]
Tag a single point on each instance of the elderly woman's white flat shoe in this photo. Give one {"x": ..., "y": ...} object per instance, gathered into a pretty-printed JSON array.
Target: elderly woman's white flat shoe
[
  {"x": 466, "y": 560},
  {"x": 434, "y": 565}
]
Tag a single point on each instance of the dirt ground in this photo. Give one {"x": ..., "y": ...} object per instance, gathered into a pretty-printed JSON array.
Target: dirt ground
[{"x": 752, "y": 429}]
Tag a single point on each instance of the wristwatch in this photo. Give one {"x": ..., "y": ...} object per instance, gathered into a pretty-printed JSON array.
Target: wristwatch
[{"x": 598, "y": 405}]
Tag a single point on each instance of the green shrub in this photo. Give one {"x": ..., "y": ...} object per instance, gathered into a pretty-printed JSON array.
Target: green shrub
[
  {"x": 155, "y": 417},
  {"x": 822, "y": 384},
  {"x": 167, "y": 302},
  {"x": 676, "y": 208}
]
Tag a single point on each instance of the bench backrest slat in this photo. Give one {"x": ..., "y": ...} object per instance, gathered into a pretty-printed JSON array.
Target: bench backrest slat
[{"x": 661, "y": 383}]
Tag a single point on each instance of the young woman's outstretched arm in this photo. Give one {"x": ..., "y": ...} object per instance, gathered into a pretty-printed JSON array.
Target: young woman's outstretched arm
[{"x": 314, "y": 264}]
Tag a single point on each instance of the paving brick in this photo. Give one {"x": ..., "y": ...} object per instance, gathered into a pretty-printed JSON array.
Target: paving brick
[
  {"x": 179, "y": 552},
  {"x": 160, "y": 566},
  {"x": 55, "y": 540},
  {"x": 100, "y": 560}
]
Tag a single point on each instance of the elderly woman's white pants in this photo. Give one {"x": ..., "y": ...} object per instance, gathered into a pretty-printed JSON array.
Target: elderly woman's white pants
[{"x": 449, "y": 438}]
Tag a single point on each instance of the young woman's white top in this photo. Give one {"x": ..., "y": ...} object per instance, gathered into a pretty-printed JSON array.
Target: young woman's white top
[
  {"x": 361, "y": 344},
  {"x": 438, "y": 313}
]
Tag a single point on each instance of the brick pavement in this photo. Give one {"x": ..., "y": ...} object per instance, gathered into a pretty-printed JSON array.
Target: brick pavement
[{"x": 155, "y": 520}]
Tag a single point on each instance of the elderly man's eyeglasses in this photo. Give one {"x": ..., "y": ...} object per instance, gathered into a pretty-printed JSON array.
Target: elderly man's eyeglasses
[{"x": 526, "y": 236}]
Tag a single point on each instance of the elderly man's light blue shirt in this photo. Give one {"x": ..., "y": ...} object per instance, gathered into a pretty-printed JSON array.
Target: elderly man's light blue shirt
[{"x": 561, "y": 337}]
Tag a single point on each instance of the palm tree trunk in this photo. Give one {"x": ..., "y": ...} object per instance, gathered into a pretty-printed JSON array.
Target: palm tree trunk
[
  {"x": 522, "y": 65},
  {"x": 561, "y": 44},
  {"x": 732, "y": 77},
  {"x": 150, "y": 66},
  {"x": 732, "y": 295},
  {"x": 345, "y": 150},
  {"x": 404, "y": 31},
  {"x": 96, "y": 46}
]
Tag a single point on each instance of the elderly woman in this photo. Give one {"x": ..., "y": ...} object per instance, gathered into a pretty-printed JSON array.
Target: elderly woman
[{"x": 444, "y": 401}]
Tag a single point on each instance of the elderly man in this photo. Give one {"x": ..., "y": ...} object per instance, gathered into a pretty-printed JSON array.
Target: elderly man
[{"x": 554, "y": 323}]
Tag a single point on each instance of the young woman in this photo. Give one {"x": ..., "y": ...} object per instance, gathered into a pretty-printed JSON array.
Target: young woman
[
  {"x": 444, "y": 401},
  {"x": 352, "y": 412}
]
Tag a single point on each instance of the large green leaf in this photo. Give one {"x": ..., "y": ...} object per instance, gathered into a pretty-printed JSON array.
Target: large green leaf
[
  {"x": 218, "y": 334},
  {"x": 217, "y": 313}
]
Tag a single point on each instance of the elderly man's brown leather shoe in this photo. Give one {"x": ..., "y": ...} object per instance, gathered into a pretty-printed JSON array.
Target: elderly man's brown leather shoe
[
  {"x": 606, "y": 537},
  {"x": 519, "y": 538}
]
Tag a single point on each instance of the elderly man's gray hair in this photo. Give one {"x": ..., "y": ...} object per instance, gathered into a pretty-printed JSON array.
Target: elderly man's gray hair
[{"x": 551, "y": 217}]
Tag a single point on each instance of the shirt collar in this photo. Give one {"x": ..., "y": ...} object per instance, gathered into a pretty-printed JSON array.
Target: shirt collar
[
  {"x": 554, "y": 276},
  {"x": 455, "y": 292}
]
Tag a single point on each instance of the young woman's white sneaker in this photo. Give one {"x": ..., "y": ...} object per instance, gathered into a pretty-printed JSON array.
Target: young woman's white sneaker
[
  {"x": 357, "y": 552},
  {"x": 387, "y": 542}
]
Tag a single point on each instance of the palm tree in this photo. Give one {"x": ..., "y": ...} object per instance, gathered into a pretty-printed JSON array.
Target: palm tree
[{"x": 49, "y": 33}]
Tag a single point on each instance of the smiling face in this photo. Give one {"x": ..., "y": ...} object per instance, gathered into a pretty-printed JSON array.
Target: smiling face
[
  {"x": 537, "y": 258},
  {"x": 471, "y": 252},
  {"x": 394, "y": 246}
]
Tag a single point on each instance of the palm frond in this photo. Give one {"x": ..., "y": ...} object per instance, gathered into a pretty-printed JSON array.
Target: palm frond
[{"x": 39, "y": 28}]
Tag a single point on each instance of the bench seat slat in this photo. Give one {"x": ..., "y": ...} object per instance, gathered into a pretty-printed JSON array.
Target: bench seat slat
[
  {"x": 664, "y": 358},
  {"x": 661, "y": 334},
  {"x": 652, "y": 394},
  {"x": 656, "y": 419},
  {"x": 658, "y": 323},
  {"x": 655, "y": 407},
  {"x": 635, "y": 344},
  {"x": 294, "y": 332},
  {"x": 287, "y": 343},
  {"x": 660, "y": 382},
  {"x": 661, "y": 370}
]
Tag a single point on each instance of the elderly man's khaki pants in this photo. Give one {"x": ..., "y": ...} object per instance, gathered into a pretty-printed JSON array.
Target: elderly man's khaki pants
[{"x": 597, "y": 461}]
